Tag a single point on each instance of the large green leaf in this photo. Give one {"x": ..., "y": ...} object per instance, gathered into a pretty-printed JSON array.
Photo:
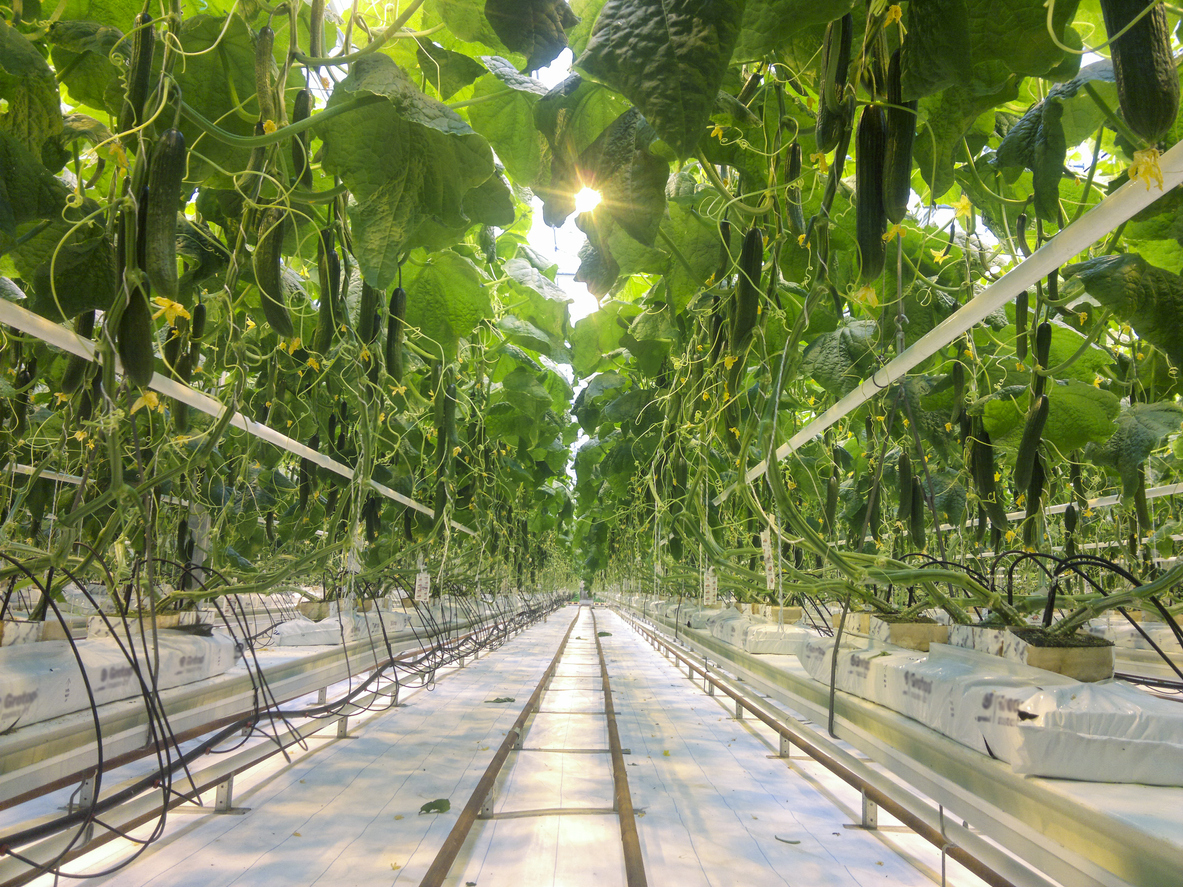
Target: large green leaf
[
  {"x": 838, "y": 361},
  {"x": 446, "y": 299},
  {"x": 27, "y": 190},
  {"x": 1078, "y": 414},
  {"x": 218, "y": 73},
  {"x": 598, "y": 334},
  {"x": 978, "y": 45},
  {"x": 545, "y": 303},
  {"x": 1141, "y": 428},
  {"x": 1149, "y": 299},
  {"x": 404, "y": 160},
  {"x": 445, "y": 70},
  {"x": 668, "y": 57},
  {"x": 28, "y": 85},
  {"x": 532, "y": 27},
  {"x": 1041, "y": 138},
  {"x": 767, "y": 24},
  {"x": 82, "y": 53},
  {"x": 505, "y": 116}
]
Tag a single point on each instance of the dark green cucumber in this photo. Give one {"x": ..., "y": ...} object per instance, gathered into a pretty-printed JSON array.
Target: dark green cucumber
[
  {"x": 793, "y": 190},
  {"x": 1029, "y": 444},
  {"x": 75, "y": 370},
  {"x": 328, "y": 265},
  {"x": 958, "y": 389},
  {"x": 832, "y": 504},
  {"x": 307, "y": 472},
  {"x": 135, "y": 336},
  {"x": 868, "y": 190},
  {"x": 747, "y": 289},
  {"x": 301, "y": 108},
  {"x": 901, "y": 133},
  {"x": 904, "y": 473},
  {"x": 1022, "y": 306},
  {"x": 835, "y": 62},
  {"x": 1143, "y": 66},
  {"x": 367, "y": 311},
  {"x": 268, "y": 275},
  {"x": 916, "y": 524},
  {"x": 316, "y": 31},
  {"x": 139, "y": 72},
  {"x": 1043, "y": 348},
  {"x": 264, "y": 59},
  {"x": 394, "y": 334},
  {"x": 165, "y": 177}
]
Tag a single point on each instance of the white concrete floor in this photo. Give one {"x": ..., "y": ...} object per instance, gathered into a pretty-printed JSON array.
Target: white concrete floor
[{"x": 714, "y": 808}]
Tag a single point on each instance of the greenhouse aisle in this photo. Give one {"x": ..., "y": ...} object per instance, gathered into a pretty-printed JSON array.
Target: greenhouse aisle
[
  {"x": 349, "y": 812},
  {"x": 713, "y": 807}
]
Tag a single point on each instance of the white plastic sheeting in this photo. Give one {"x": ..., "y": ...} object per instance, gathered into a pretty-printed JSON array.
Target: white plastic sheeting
[
  {"x": 42, "y": 681},
  {"x": 1041, "y": 723}
]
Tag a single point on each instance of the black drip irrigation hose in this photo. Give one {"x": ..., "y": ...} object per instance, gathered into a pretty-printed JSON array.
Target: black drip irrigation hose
[{"x": 440, "y": 644}]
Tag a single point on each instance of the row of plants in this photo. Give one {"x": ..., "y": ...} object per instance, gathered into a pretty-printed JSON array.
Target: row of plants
[{"x": 321, "y": 221}]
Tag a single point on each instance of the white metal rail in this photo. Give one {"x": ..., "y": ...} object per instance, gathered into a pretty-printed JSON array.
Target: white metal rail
[
  {"x": 1114, "y": 210},
  {"x": 67, "y": 340}
]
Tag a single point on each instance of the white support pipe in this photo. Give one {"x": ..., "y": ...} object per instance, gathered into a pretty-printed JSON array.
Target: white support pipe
[
  {"x": 1128, "y": 200},
  {"x": 67, "y": 340}
]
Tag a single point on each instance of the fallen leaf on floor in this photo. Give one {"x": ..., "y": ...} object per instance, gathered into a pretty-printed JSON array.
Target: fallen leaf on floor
[
  {"x": 787, "y": 840},
  {"x": 501, "y": 699},
  {"x": 301, "y": 782},
  {"x": 603, "y": 634},
  {"x": 296, "y": 835},
  {"x": 754, "y": 816},
  {"x": 395, "y": 867},
  {"x": 439, "y": 805},
  {"x": 666, "y": 753},
  {"x": 398, "y": 816},
  {"x": 484, "y": 748},
  {"x": 879, "y": 863}
]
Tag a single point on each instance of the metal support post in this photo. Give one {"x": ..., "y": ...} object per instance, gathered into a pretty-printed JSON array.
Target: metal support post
[
  {"x": 343, "y": 727},
  {"x": 786, "y": 748},
  {"x": 870, "y": 813},
  {"x": 739, "y": 710}
]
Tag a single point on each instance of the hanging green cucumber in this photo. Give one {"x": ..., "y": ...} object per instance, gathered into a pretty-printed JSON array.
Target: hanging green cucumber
[
  {"x": 1143, "y": 66},
  {"x": 1029, "y": 444},
  {"x": 982, "y": 466},
  {"x": 1022, "y": 306},
  {"x": 268, "y": 275},
  {"x": 165, "y": 176},
  {"x": 328, "y": 265},
  {"x": 307, "y": 471},
  {"x": 835, "y": 62},
  {"x": 75, "y": 370},
  {"x": 901, "y": 133},
  {"x": 367, "y": 312},
  {"x": 796, "y": 210},
  {"x": 1043, "y": 347},
  {"x": 139, "y": 73},
  {"x": 904, "y": 474},
  {"x": 868, "y": 191},
  {"x": 916, "y": 524},
  {"x": 958, "y": 389},
  {"x": 135, "y": 337},
  {"x": 23, "y": 383},
  {"x": 264, "y": 59},
  {"x": 1070, "y": 518},
  {"x": 832, "y": 504},
  {"x": 301, "y": 168},
  {"x": 747, "y": 290},
  {"x": 394, "y": 334}
]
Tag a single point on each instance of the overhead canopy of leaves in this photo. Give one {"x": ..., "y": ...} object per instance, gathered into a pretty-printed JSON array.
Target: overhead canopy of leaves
[
  {"x": 668, "y": 58},
  {"x": 1149, "y": 299},
  {"x": 405, "y": 159}
]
